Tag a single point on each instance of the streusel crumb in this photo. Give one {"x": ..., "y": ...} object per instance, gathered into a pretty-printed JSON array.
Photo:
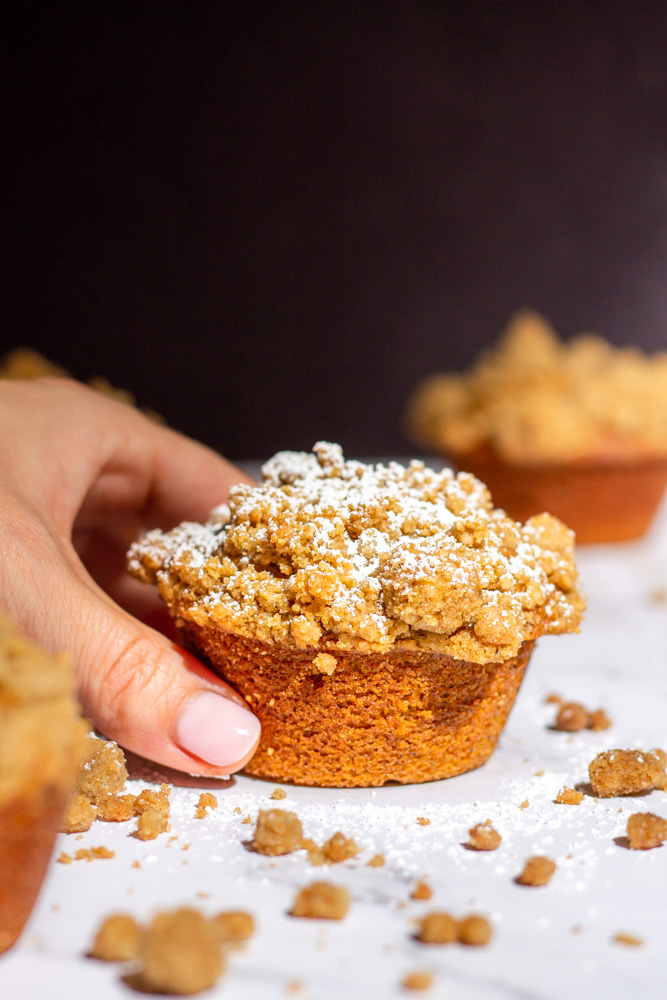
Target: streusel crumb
[
  {"x": 569, "y": 796},
  {"x": 321, "y": 901},
  {"x": 423, "y": 821},
  {"x": 627, "y": 772},
  {"x": 93, "y": 853},
  {"x": 79, "y": 815},
  {"x": 377, "y": 861},
  {"x": 278, "y": 794},
  {"x": 572, "y": 717},
  {"x": 180, "y": 952},
  {"x": 335, "y": 555},
  {"x": 115, "y": 808},
  {"x": 437, "y": 928},
  {"x": 534, "y": 398},
  {"x": 537, "y": 871},
  {"x": 206, "y": 801},
  {"x": 483, "y": 837},
  {"x": 631, "y": 940},
  {"x": 474, "y": 930},
  {"x": 117, "y": 939},
  {"x": 422, "y": 891},
  {"x": 646, "y": 830},
  {"x": 278, "y": 831},
  {"x": 103, "y": 772},
  {"x": 234, "y": 926},
  {"x": 417, "y": 981},
  {"x": 339, "y": 848}
]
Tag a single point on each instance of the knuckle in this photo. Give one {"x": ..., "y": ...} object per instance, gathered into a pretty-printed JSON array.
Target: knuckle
[{"x": 135, "y": 678}]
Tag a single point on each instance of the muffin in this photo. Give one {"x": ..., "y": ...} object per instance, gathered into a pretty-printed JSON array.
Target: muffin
[
  {"x": 578, "y": 429},
  {"x": 42, "y": 743},
  {"x": 377, "y": 618}
]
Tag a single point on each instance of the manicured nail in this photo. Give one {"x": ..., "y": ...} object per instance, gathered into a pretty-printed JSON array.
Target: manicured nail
[{"x": 217, "y": 730}]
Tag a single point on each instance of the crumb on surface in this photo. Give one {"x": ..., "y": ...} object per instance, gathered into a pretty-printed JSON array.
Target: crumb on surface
[
  {"x": 237, "y": 810},
  {"x": 417, "y": 980},
  {"x": 79, "y": 815},
  {"x": 64, "y": 858},
  {"x": 483, "y": 837},
  {"x": 278, "y": 831},
  {"x": 150, "y": 824},
  {"x": 206, "y": 801},
  {"x": 423, "y": 821},
  {"x": 180, "y": 952},
  {"x": 247, "y": 820},
  {"x": 377, "y": 861},
  {"x": 573, "y": 717},
  {"x": 339, "y": 848},
  {"x": 152, "y": 798},
  {"x": 631, "y": 940},
  {"x": 627, "y": 772},
  {"x": 537, "y": 871},
  {"x": 117, "y": 939},
  {"x": 93, "y": 853},
  {"x": 474, "y": 930},
  {"x": 569, "y": 796},
  {"x": 442, "y": 928},
  {"x": 646, "y": 830},
  {"x": 103, "y": 772},
  {"x": 115, "y": 808},
  {"x": 421, "y": 890},
  {"x": 553, "y": 699},
  {"x": 524, "y": 804},
  {"x": 233, "y": 926},
  {"x": 278, "y": 793},
  {"x": 321, "y": 901}
]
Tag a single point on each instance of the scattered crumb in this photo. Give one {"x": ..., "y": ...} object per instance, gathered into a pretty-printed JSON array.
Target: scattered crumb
[
  {"x": 79, "y": 815},
  {"x": 237, "y": 810},
  {"x": 91, "y": 853},
  {"x": 569, "y": 796},
  {"x": 315, "y": 852},
  {"x": 247, "y": 819},
  {"x": 622, "y": 937},
  {"x": 339, "y": 848},
  {"x": 474, "y": 930},
  {"x": 186, "y": 847},
  {"x": 537, "y": 871},
  {"x": 278, "y": 793},
  {"x": 626, "y": 772},
  {"x": 150, "y": 798},
  {"x": 150, "y": 824},
  {"x": 483, "y": 837},
  {"x": 524, "y": 804},
  {"x": 117, "y": 939},
  {"x": 233, "y": 926},
  {"x": 206, "y": 801},
  {"x": 417, "y": 981},
  {"x": 278, "y": 831},
  {"x": 646, "y": 830},
  {"x": 115, "y": 808},
  {"x": 64, "y": 858},
  {"x": 136, "y": 864},
  {"x": 421, "y": 890},
  {"x": 553, "y": 699},
  {"x": 573, "y": 717},
  {"x": 539, "y": 774},
  {"x": 423, "y": 821},
  {"x": 203, "y": 895},
  {"x": 321, "y": 900},
  {"x": 377, "y": 861},
  {"x": 103, "y": 772},
  {"x": 293, "y": 986},
  {"x": 180, "y": 953}
]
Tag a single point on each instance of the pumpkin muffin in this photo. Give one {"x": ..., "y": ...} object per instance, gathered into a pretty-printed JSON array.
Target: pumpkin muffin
[
  {"x": 42, "y": 743},
  {"x": 377, "y": 618},
  {"x": 578, "y": 429}
]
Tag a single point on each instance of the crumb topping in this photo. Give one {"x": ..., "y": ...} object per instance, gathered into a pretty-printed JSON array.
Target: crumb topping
[
  {"x": 534, "y": 398},
  {"x": 332, "y": 554}
]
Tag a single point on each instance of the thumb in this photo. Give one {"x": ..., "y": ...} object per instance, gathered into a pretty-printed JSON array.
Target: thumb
[{"x": 155, "y": 698}]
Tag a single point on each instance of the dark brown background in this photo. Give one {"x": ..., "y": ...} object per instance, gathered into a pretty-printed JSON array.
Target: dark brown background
[{"x": 269, "y": 220}]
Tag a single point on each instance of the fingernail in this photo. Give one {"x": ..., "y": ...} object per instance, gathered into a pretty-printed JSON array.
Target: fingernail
[{"x": 217, "y": 730}]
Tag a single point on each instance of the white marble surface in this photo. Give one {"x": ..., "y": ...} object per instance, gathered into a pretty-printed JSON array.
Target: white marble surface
[{"x": 549, "y": 943}]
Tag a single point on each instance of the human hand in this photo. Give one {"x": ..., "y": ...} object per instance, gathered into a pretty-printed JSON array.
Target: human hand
[{"x": 80, "y": 477}]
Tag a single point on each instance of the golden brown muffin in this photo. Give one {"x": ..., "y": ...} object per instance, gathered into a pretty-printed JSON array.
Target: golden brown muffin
[
  {"x": 42, "y": 743},
  {"x": 378, "y": 619},
  {"x": 578, "y": 429}
]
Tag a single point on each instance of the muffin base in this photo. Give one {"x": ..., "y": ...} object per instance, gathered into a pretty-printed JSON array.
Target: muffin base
[
  {"x": 28, "y": 827},
  {"x": 400, "y": 716},
  {"x": 602, "y": 501}
]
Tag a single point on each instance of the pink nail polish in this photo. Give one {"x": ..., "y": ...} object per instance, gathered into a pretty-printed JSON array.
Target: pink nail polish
[{"x": 217, "y": 730}]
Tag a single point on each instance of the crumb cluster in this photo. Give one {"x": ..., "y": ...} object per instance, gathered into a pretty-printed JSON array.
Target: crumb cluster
[
  {"x": 279, "y": 831},
  {"x": 569, "y": 796},
  {"x": 572, "y": 717},
  {"x": 442, "y": 928},
  {"x": 335, "y": 555},
  {"x": 537, "y": 871},
  {"x": 483, "y": 837},
  {"x": 321, "y": 901},
  {"x": 534, "y": 398},
  {"x": 627, "y": 772}
]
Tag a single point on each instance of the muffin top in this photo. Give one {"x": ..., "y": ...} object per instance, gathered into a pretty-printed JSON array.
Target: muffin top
[
  {"x": 42, "y": 735},
  {"x": 533, "y": 398},
  {"x": 332, "y": 554}
]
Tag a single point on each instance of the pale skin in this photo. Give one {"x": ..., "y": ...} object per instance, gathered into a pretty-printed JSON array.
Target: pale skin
[{"x": 81, "y": 476}]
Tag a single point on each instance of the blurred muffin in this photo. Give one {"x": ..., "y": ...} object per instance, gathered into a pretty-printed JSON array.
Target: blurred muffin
[
  {"x": 42, "y": 743},
  {"x": 578, "y": 429},
  {"x": 378, "y": 619}
]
